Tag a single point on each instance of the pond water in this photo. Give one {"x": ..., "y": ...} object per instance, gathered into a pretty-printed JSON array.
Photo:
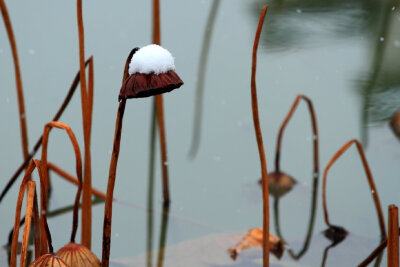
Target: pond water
[{"x": 344, "y": 55}]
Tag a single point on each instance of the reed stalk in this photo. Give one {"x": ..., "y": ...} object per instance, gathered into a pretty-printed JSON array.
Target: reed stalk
[
  {"x": 160, "y": 110},
  {"x": 38, "y": 144},
  {"x": 18, "y": 79},
  {"x": 257, "y": 128},
  {"x": 393, "y": 237},
  {"x": 370, "y": 180},
  {"x": 87, "y": 107}
]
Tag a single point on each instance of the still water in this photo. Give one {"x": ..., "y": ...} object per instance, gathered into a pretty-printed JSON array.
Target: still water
[{"x": 344, "y": 55}]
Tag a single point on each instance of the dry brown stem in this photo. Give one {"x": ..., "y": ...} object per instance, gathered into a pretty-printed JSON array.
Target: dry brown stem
[
  {"x": 38, "y": 144},
  {"x": 370, "y": 180},
  {"x": 110, "y": 186},
  {"x": 160, "y": 110},
  {"x": 258, "y": 133},
  {"x": 314, "y": 129},
  {"x": 87, "y": 106},
  {"x": 62, "y": 173},
  {"x": 78, "y": 160},
  {"x": 18, "y": 79},
  {"x": 393, "y": 236}
]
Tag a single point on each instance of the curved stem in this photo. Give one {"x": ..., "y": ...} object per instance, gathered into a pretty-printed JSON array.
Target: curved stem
[
  {"x": 110, "y": 186},
  {"x": 78, "y": 162},
  {"x": 314, "y": 129},
  {"x": 38, "y": 144},
  {"x": 258, "y": 133},
  {"x": 370, "y": 179},
  {"x": 18, "y": 79}
]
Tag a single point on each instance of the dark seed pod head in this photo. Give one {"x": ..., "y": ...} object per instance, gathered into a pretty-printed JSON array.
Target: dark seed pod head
[
  {"x": 76, "y": 255},
  {"x": 151, "y": 72},
  {"x": 280, "y": 183},
  {"x": 48, "y": 260}
]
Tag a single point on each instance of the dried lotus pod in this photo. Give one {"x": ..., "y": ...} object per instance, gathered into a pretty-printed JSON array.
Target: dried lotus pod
[
  {"x": 48, "y": 260},
  {"x": 78, "y": 255}
]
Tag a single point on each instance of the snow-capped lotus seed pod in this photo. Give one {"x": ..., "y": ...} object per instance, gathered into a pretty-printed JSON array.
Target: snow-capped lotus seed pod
[
  {"x": 151, "y": 72},
  {"x": 77, "y": 255},
  {"x": 49, "y": 260}
]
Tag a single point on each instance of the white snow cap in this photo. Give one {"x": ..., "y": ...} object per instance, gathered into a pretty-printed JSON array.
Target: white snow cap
[{"x": 151, "y": 59}]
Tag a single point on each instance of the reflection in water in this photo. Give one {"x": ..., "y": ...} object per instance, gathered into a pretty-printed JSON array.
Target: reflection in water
[
  {"x": 311, "y": 221},
  {"x": 163, "y": 235},
  {"x": 150, "y": 203},
  {"x": 382, "y": 84},
  {"x": 201, "y": 79},
  {"x": 150, "y": 192},
  {"x": 281, "y": 176}
]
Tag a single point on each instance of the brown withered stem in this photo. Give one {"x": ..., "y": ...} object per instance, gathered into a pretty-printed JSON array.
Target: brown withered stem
[
  {"x": 78, "y": 162},
  {"x": 314, "y": 129},
  {"x": 112, "y": 172},
  {"x": 42, "y": 233},
  {"x": 393, "y": 236},
  {"x": 38, "y": 144},
  {"x": 160, "y": 110},
  {"x": 258, "y": 133},
  {"x": 31, "y": 211},
  {"x": 370, "y": 179},
  {"x": 18, "y": 79},
  {"x": 64, "y": 174},
  {"x": 377, "y": 252},
  {"x": 87, "y": 107}
]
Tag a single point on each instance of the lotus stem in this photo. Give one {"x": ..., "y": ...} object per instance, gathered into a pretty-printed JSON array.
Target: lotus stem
[
  {"x": 87, "y": 106},
  {"x": 38, "y": 144},
  {"x": 18, "y": 79},
  {"x": 393, "y": 236},
  {"x": 377, "y": 251},
  {"x": 370, "y": 180},
  {"x": 314, "y": 129},
  {"x": 110, "y": 187},
  {"x": 257, "y": 128},
  {"x": 78, "y": 162},
  {"x": 160, "y": 109}
]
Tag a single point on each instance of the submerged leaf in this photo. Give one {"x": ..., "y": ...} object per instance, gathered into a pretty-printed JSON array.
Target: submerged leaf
[{"x": 254, "y": 238}]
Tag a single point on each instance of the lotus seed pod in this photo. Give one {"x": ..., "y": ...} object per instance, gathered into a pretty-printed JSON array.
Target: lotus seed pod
[
  {"x": 48, "y": 260},
  {"x": 76, "y": 255}
]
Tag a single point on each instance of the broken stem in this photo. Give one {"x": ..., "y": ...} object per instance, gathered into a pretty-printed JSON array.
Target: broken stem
[
  {"x": 78, "y": 162},
  {"x": 314, "y": 129},
  {"x": 258, "y": 133},
  {"x": 370, "y": 179}
]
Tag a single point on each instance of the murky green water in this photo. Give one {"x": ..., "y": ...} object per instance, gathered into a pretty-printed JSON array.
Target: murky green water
[{"x": 344, "y": 55}]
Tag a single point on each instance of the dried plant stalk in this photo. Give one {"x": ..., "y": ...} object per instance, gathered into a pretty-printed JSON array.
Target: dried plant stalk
[
  {"x": 38, "y": 144},
  {"x": 370, "y": 179},
  {"x": 257, "y": 128},
  {"x": 87, "y": 106},
  {"x": 18, "y": 79},
  {"x": 62, "y": 173},
  {"x": 40, "y": 240},
  {"x": 314, "y": 129},
  {"x": 78, "y": 161},
  {"x": 160, "y": 110},
  {"x": 393, "y": 236}
]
